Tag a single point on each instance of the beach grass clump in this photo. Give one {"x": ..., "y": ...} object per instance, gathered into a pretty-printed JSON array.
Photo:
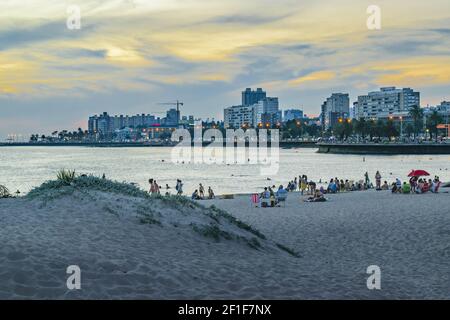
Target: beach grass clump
[
  {"x": 288, "y": 250},
  {"x": 253, "y": 243},
  {"x": 4, "y": 192},
  {"x": 221, "y": 213},
  {"x": 147, "y": 215},
  {"x": 100, "y": 184},
  {"x": 148, "y": 218},
  {"x": 81, "y": 182},
  {"x": 66, "y": 176},
  {"x": 176, "y": 200},
  {"x": 211, "y": 231}
]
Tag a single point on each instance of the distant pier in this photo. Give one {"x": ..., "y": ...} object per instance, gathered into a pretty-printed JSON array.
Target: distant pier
[{"x": 384, "y": 149}]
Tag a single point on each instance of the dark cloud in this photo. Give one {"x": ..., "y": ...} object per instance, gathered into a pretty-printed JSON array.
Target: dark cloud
[
  {"x": 443, "y": 31},
  {"x": 246, "y": 19},
  {"x": 82, "y": 53},
  {"x": 400, "y": 47},
  {"x": 54, "y": 30}
]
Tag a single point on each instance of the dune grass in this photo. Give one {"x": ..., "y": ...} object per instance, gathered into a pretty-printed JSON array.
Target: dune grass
[
  {"x": 4, "y": 192},
  {"x": 66, "y": 176}
]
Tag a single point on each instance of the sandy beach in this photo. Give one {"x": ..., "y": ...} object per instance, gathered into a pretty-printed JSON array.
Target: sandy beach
[{"x": 128, "y": 247}]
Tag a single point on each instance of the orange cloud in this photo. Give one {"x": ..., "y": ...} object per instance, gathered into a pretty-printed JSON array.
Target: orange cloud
[
  {"x": 415, "y": 72},
  {"x": 314, "y": 76}
]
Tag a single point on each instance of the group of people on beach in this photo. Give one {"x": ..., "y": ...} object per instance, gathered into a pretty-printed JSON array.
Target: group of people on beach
[
  {"x": 156, "y": 189},
  {"x": 199, "y": 194},
  {"x": 335, "y": 185},
  {"x": 416, "y": 185},
  {"x": 271, "y": 198}
]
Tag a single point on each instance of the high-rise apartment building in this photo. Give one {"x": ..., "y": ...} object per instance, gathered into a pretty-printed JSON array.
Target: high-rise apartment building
[
  {"x": 386, "y": 102},
  {"x": 238, "y": 116},
  {"x": 250, "y": 97},
  {"x": 266, "y": 112},
  {"x": 334, "y": 108}
]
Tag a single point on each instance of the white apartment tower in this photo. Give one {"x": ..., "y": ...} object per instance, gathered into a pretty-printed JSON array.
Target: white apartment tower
[{"x": 386, "y": 102}]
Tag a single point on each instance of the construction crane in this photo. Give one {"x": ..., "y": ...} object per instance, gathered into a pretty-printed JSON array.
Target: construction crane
[{"x": 177, "y": 104}]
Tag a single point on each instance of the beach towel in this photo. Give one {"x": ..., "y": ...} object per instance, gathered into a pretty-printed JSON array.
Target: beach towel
[{"x": 255, "y": 199}]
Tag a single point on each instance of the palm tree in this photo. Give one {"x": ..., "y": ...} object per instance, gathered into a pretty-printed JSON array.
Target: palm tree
[
  {"x": 416, "y": 113},
  {"x": 361, "y": 127},
  {"x": 409, "y": 130},
  {"x": 391, "y": 130},
  {"x": 432, "y": 122}
]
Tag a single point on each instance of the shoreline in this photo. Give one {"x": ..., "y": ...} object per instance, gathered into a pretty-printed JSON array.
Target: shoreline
[{"x": 323, "y": 148}]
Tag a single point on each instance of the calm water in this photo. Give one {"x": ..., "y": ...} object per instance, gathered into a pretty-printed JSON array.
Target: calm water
[{"x": 25, "y": 167}]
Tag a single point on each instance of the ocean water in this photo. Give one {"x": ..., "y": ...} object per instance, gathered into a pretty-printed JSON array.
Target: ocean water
[{"x": 22, "y": 168}]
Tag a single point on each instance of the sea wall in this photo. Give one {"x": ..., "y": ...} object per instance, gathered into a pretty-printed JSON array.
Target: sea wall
[{"x": 384, "y": 148}]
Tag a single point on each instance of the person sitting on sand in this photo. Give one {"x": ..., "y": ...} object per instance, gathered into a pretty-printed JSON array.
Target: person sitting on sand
[
  {"x": 332, "y": 188},
  {"x": 426, "y": 186},
  {"x": 394, "y": 188},
  {"x": 412, "y": 182},
  {"x": 281, "y": 194},
  {"x": 385, "y": 186},
  {"x": 406, "y": 188},
  {"x": 342, "y": 186},
  {"x": 318, "y": 197},
  {"x": 265, "y": 194},
  {"x": 347, "y": 185},
  {"x": 211, "y": 193},
  {"x": 419, "y": 186},
  {"x": 336, "y": 185},
  {"x": 265, "y": 197},
  {"x": 398, "y": 183},
  {"x": 195, "y": 195}
]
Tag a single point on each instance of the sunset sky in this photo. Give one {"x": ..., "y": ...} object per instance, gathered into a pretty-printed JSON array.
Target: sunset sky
[{"x": 131, "y": 54}]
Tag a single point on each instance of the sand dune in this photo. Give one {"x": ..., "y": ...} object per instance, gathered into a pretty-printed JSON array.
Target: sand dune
[{"x": 130, "y": 247}]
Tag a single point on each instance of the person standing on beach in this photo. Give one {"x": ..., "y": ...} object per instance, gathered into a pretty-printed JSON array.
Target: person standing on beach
[
  {"x": 304, "y": 184},
  {"x": 378, "y": 180},
  {"x": 201, "y": 191},
  {"x": 155, "y": 187},
  {"x": 152, "y": 186},
  {"x": 179, "y": 187},
  {"x": 211, "y": 193},
  {"x": 367, "y": 181}
]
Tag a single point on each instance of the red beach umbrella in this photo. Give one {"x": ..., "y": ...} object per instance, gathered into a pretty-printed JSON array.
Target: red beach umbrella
[{"x": 418, "y": 173}]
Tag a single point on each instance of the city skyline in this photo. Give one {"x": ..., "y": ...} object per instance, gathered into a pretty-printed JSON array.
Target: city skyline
[{"x": 130, "y": 55}]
